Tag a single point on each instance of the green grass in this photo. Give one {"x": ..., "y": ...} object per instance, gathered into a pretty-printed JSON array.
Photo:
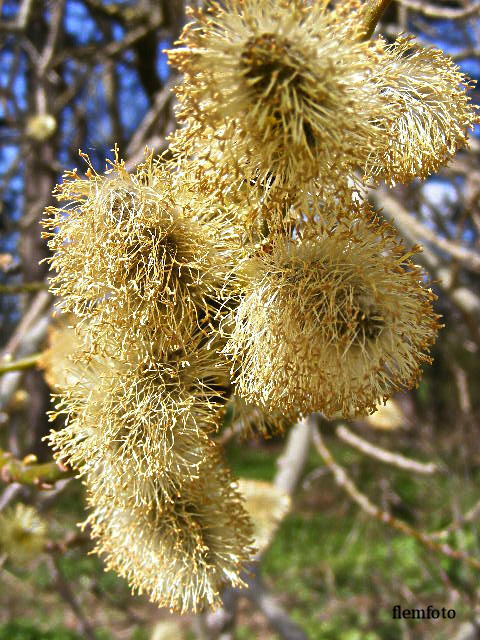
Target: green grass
[
  {"x": 24, "y": 630},
  {"x": 339, "y": 573}
]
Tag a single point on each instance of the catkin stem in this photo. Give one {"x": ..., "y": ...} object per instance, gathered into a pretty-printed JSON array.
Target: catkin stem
[
  {"x": 25, "y": 287},
  {"x": 19, "y": 365},
  {"x": 373, "y": 12}
]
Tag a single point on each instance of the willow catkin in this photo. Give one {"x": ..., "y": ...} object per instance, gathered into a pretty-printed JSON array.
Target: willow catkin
[
  {"x": 248, "y": 420},
  {"x": 153, "y": 266},
  {"x": 143, "y": 420},
  {"x": 294, "y": 81},
  {"x": 58, "y": 360},
  {"x": 334, "y": 321},
  {"x": 266, "y": 505},
  {"x": 429, "y": 92},
  {"x": 251, "y": 245},
  {"x": 181, "y": 553},
  {"x": 165, "y": 511}
]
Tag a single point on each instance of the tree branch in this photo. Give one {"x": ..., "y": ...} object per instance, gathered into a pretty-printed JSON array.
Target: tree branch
[
  {"x": 20, "y": 365},
  {"x": 469, "y": 259},
  {"x": 221, "y": 622},
  {"x": 445, "y": 13},
  {"x": 25, "y": 287},
  {"x": 292, "y": 461},
  {"x": 65, "y": 591},
  {"x": 345, "y": 482},
  {"x": 464, "y": 298},
  {"x": 388, "y": 457},
  {"x": 374, "y": 10},
  {"x": 26, "y": 471}
]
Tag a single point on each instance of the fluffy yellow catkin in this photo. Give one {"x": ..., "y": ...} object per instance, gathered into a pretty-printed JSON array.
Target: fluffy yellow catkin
[
  {"x": 144, "y": 383},
  {"x": 284, "y": 87},
  {"x": 278, "y": 93},
  {"x": 166, "y": 513},
  {"x": 181, "y": 553},
  {"x": 130, "y": 255},
  {"x": 244, "y": 257},
  {"x": 434, "y": 111},
  {"x": 141, "y": 420},
  {"x": 335, "y": 320}
]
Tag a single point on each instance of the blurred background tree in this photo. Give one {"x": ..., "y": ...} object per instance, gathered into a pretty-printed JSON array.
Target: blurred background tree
[{"x": 86, "y": 74}]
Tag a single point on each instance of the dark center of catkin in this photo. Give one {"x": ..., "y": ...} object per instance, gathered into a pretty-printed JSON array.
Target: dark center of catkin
[
  {"x": 269, "y": 63},
  {"x": 266, "y": 61},
  {"x": 369, "y": 325},
  {"x": 163, "y": 255},
  {"x": 357, "y": 319}
]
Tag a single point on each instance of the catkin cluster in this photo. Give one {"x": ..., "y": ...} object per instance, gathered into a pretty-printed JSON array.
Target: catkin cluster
[{"x": 244, "y": 275}]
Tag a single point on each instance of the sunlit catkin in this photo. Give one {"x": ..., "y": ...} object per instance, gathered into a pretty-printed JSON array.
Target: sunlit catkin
[
  {"x": 333, "y": 321},
  {"x": 434, "y": 112},
  {"x": 291, "y": 78},
  {"x": 129, "y": 256},
  {"x": 241, "y": 278},
  {"x": 180, "y": 553},
  {"x": 143, "y": 420}
]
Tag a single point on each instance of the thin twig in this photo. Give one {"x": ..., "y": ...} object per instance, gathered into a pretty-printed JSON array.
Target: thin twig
[
  {"x": 470, "y": 516},
  {"x": 445, "y": 13},
  {"x": 383, "y": 455},
  {"x": 141, "y": 134},
  {"x": 469, "y": 259},
  {"x": 25, "y": 287},
  {"x": 73, "y": 539},
  {"x": 20, "y": 365},
  {"x": 463, "y": 297},
  {"x": 65, "y": 591},
  {"x": 9, "y": 494},
  {"x": 53, "y": 37},
  {"x": 30, "y": 343},
  {"x": 343, "y": 480},
  {"x": 37, "y": 308},
  {"x": 27, "y": 471}
]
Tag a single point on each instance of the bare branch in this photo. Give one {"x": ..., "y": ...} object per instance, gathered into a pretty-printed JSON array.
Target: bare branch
[
  {"x": 292, "y": 461},
  {"x": 445, "y": 13},
  {"x": 469, "y": 259},
  {"x": 25, "y": 287},
  {"x": 27, "y": 471},
  {"x": 142, "y": 133},
  {"x": 464, "y": 298},
  {"x": 343, "y": 480},
  {"x": 22, "y": 18},
  {"x": 290, "y": 467},
  {"x": 65, "y": 591},
  {"x": 53, "y": 38},
  {"x": 388, "y": 457},
  {"x": 470, "y": 516},
  {"x": 36, "y": 309}
]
